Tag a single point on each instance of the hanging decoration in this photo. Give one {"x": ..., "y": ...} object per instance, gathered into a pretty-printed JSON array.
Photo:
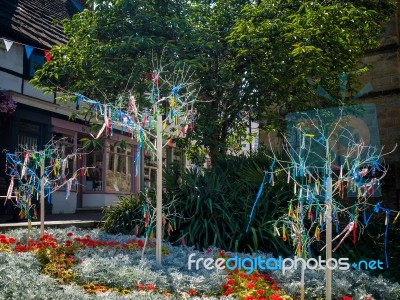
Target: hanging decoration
[
  {"x": 36, "y": 173},
  {"x": 28, "y": 49},
  {"x": 338, "y": 144},
  {"x": 174, "y": 101}
]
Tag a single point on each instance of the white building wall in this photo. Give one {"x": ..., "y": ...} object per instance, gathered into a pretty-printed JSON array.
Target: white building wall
[
  {"x": 98, "y": 200},
  {"x": 13, "y": 60},
  {"x": 62, "y": 205}
]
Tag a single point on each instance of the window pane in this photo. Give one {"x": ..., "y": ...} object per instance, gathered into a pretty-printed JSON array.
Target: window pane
[
  {"x": 35, "y": 62},
  {"x": 64, "y": 147},
  {"x": 118, "y": 173},
  {"x": 94, "y": 175}
]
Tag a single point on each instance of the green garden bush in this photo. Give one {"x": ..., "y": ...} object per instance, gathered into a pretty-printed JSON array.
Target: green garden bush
[
  {"x": 216, "y": 203},
  {"x": 214, "y": 206},
  {"x": 124, "y": 215}
]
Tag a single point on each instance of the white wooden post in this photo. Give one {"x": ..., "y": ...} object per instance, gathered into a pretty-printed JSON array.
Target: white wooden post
[
  {"x": 328, "y": 222},
  {"x": 42, "y": 197},
  {"x": 302, "y": 294},
  {"x": 159, "y": 191}
]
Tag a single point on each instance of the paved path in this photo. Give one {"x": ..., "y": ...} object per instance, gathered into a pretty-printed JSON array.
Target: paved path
[{"x": 80, "y": 219}]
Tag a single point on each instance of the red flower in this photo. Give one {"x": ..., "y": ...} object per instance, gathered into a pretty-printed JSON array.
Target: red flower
[
  {"x": 69, "y": 234},
  {"x": 250, "y": 285},
  {"x": 260, "y": 292},
  {"x": 150, "y": 287},
  {"x": 275, "y": 297},
  {"x": 274, "y": 287},
  {"x": 346, "y": 298},
  {"x": 228, "y": 291},
  {"x": 192, "y": 292},
  {"x": 70, "y": 260},
  {"x": 243, "y": 275}
]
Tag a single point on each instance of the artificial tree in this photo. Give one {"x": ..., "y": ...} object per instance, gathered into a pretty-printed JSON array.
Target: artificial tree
[
  {"x": 40, "y": 172},
  {"x": 333, "y": 154},
  {"x": 166, "y": 113}
]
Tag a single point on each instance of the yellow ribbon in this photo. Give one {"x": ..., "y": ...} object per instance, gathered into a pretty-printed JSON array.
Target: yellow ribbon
[
  {"x": 397, "y": 216},
  {"x": 317, "y": 234},
  {"x": 284, "y": 238}
]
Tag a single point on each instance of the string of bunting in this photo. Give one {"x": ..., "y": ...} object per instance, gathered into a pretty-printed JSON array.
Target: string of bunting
[{"x": 28, "y": 49}]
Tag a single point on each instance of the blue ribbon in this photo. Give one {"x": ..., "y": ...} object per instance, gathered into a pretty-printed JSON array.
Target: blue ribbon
[
  {"x": 138, "y": 154},
  {"x": 375, "y": 165},
  {"x": 176, "y": 89},
  {"x": 271, "y": 167},
  {"x": 386, "y": 235},
  {"x": 79, "y": 98},
  {"x": 376, "y": 210},
  {"x": 49, "y": 195},
  {"x": 257, "y": 199}
]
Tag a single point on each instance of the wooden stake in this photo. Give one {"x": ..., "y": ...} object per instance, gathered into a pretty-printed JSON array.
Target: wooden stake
[
  {"x": 302, "y": 294},
  {"x": 328, "y": 222},
  {"x": 159, "y": 191},
  {"x": 42, "y": 197}
]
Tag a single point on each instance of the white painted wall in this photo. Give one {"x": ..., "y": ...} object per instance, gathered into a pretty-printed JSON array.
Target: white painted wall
[
  {"x": 98, "y": 200},
  {"x": 14, "y": 60},
  {"x": 29, "y": 90},
  {"x": 10, "y": 82},
  {"x": 62, "y": 205}
]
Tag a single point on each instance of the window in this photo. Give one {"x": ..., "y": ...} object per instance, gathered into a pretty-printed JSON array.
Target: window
[
  {"x": 119, "y": 169},
  {"x": 28, "y": 135},
  {"x": 94, "y": 175},
  {"x": 64, "y": 147},
  {"x": 35, "y": 61}
]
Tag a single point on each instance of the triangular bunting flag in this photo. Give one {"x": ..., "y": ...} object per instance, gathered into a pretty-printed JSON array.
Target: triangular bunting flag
[
  {"x": 47, "y": 55},
  {"x": 28, "y": 50},
  {"x": 8, "y": 44}
]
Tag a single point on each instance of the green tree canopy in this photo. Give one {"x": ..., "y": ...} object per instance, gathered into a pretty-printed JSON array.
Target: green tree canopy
[
  {"x": 262, "y": 58},
  {"x": 289, "y": 47}
]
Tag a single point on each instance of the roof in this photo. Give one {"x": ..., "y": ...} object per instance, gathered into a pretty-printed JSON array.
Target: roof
[{"x": 32, "y": 21}]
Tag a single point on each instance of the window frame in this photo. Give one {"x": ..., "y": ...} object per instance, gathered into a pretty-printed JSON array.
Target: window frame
[{"x": 36, "y": 53}]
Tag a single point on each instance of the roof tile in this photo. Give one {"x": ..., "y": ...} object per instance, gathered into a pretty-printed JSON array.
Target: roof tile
[{"x": 32, "y": 21}]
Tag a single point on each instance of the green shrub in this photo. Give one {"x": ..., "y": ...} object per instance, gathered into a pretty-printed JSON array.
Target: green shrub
[
  {"x": 216, "y": 203},
  {"x": 124, "y": 215},
  {"x": 214, "y": 206}
]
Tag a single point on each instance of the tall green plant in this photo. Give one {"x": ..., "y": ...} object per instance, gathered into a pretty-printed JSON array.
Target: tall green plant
[
  {"x": 216, "y": 205},
  {"x": 123, "y": 216}
]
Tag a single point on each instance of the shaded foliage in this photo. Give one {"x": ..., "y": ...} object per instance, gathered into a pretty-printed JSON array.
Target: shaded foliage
[
  {"x": 257, "y": 59},
  {"x": 124, "y": 215},
  {"x": 216, "y": 205}
]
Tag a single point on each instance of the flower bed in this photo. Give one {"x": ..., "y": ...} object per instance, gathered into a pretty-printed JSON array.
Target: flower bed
[{"x": 82, "y": 264}]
